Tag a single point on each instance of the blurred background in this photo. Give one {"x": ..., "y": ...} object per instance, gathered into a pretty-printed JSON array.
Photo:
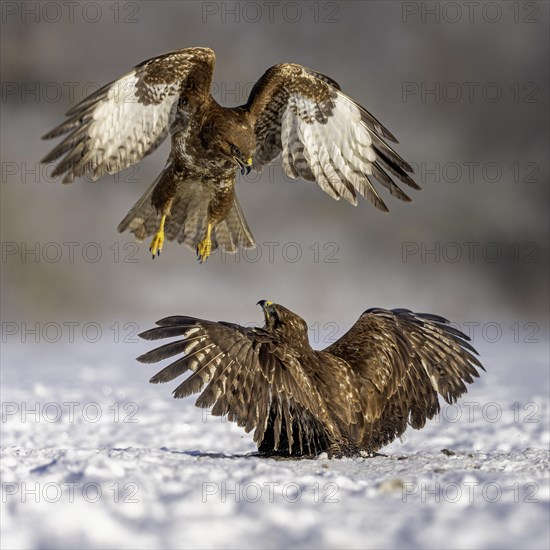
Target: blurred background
[{"x": 463, "y": 87}]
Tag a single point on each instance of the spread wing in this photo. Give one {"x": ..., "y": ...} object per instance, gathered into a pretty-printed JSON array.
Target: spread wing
[
  {"x": 244, "y": 374},
  {"x": 129, "y": 118},
  {"x": 403, "y": 360},
  {"x": 323, "y": 135}
]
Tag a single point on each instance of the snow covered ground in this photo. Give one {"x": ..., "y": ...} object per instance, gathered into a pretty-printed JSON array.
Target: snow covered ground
[{"x": 95, "y": 457}]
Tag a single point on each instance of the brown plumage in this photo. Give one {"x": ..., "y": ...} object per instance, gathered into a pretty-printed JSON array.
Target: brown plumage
[
  {"x": 322, "y": 135},
  {"x": 356, "y": 395}
]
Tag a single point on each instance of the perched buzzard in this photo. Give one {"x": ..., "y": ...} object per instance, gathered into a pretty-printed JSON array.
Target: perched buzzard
[
  {"x": 322, "y": 134},
  {"x": 356, "y": 395}
]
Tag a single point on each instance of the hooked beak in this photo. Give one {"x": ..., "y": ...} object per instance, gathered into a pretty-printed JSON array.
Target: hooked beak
[
  {"x": 244, "y": 166},
  {"x": 265, "y": 305}
]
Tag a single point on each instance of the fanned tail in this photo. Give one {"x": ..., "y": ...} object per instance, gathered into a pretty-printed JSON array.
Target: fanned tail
[{"x": 187, "y": 222}]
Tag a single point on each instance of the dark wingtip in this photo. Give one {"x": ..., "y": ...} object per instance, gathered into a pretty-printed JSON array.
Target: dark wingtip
[
  {"x": 388, "y": 135},
  {"x": 148, "y": 334}
]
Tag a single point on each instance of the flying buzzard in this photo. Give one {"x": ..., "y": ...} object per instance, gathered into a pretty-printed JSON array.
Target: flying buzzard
[
  {"x": 356, "y": 395},
  {"x": 323, "y": 135}
]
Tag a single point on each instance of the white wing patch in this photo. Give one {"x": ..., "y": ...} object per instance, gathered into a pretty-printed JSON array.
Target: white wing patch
[
  {"x": 337, "y": 151},
  {"x": 324, "y": 136},
  {"x": 123, "y": 130},
  {"x": 114, "y": 128}
]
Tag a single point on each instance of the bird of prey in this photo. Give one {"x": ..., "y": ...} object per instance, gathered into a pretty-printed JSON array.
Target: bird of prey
[
  {"x": 322, "y": 135},
  {"x": 353, "y": 397}
]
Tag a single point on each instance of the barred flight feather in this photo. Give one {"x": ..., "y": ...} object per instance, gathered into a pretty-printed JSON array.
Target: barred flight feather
[{"x": 357, "y": 395}]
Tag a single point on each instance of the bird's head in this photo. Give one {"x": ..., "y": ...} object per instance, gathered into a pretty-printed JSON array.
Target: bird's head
[
  {"x": 231, "y": 136},
  {"x": 239, "y": 144},
  {"x": 284, "y": 324}
]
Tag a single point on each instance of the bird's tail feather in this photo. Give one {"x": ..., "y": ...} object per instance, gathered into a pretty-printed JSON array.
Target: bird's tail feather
[
  {"x": 233, "y": 233},
  {"x": 142, "y": 219},
  {"x": 188, "y": 220}
]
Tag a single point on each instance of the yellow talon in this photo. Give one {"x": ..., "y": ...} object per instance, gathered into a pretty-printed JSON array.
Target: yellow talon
[
  {"x": 158, "y": 239},
  {"x": 204, "y": 248}
]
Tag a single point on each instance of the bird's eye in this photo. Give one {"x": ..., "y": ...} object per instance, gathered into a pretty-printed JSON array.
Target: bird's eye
[{"x": 236, "y": 151}]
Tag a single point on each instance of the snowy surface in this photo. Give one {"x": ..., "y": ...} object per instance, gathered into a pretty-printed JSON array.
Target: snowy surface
[{"x": 95, "y": 457}]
